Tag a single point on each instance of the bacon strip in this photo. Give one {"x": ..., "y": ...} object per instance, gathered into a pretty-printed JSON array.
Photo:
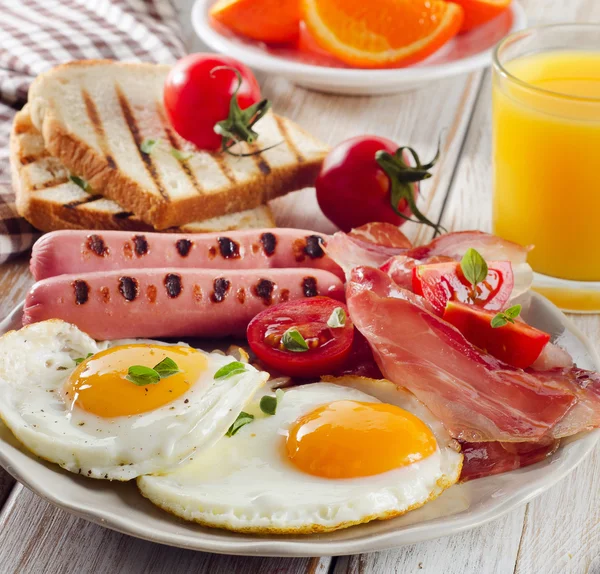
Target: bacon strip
[{"x": 477, "y": 397}]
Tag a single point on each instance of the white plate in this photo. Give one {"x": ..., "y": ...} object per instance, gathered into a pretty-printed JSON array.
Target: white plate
[
  {"x": 465, "y": 53},
  {"x": 119, "y": 506}
]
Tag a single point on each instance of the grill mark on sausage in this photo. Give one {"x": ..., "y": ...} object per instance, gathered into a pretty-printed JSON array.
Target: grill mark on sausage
[
  {"x": 309, "y": 287},
  {"x": 284, "y": 295},
  {"x": 173, "y": 285},
  {"x": 269, "y": 243},
  {"x": 298, "y": 247},
  {"x": 288, "y": 140},
  {"x": 183, "y": 247},
  {"x": 137, "y": 138},
  {"x": 96, "y": 245},
  {"x": 264, "y": 289},
  {"x": 212, "y": 252},
  {"x": 81, "y": 290},
  {"x": 105, "y": 294},
  {"x": 140, "y": 245},
  {"x": 221, "y": 287},
  {"x": 229, "y": 249},
  {"x": 241, "y": 295},
  {"x": 314, "y": 246},
  {"x": 151, "y": 293},
  {"x": 129, "y": 288},
  {"x": 96, "y": 121},
  {"x": 197, "y": 293},
  {"x": 185, "y": 166},
  {"x": 77, "y": 203},
  {"x": 255, "y": 248}
]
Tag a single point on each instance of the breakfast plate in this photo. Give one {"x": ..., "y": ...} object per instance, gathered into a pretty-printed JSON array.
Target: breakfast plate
[
  {"x": 120, "y": 507},
  {"x": 463, "y": 54}
]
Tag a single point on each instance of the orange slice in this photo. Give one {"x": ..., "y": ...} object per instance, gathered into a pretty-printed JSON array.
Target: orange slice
[
  {"x": 381, "y": 33},
  {"x": 271, "y": 21},
  {"x": 479, "y": 12}
]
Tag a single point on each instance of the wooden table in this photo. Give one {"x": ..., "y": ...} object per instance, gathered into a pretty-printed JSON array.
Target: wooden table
[{"x": 558, "y": 532}]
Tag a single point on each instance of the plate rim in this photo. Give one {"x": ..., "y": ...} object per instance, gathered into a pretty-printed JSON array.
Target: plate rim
[
  {"x": 274, "y": 64},
  {"x": 314, "y": 545}
]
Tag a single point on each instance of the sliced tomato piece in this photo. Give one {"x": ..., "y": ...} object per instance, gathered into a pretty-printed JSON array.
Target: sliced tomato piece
[
  {"x": 443, "y": 282},
  {"x": 517, "y": 344},
  {"x": 328, "y": 347}
]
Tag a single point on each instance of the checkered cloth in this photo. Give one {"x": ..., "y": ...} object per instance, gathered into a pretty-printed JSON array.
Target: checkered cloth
[{"x": 38, "y": 34}]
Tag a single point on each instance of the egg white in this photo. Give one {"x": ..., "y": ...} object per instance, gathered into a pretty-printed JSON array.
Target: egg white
[
  {"x": 246, "y": 483},
  {"x": 35, "y": 363}
]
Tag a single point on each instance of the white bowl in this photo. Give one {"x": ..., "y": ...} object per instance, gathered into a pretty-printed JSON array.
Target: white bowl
[{"x": 465, "y": 53}]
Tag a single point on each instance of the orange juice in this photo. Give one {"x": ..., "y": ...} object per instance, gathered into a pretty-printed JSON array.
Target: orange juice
[{"x": 546, "y": 114}]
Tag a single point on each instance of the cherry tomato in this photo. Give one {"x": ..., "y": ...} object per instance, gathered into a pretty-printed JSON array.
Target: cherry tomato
[
  {"x": 328, "y": 349},
  {"x": 353, "y": 188},
  {"x": 196, "y": 98},
  {"x": 443, "y": 282},
  {"x": 517, "y": 344}
]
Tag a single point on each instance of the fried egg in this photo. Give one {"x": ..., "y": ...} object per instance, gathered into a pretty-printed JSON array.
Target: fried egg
[
  {"x": 333, "y": 455},
  {"x": 67, "y": 398}
]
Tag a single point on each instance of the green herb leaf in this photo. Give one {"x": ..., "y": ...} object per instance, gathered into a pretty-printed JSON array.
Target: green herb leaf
[
  {"x": 293, "y": 341},
  {"x": 166, "y": 368},
  {"x": 268, "y": 404},
  {"x": 474, "y": 267},
  {"x": 230, "y": 370},
  {"x": 242, "y": 420},
  {"x": 507, "y": 316},
  {"x": 180, "y": 156},
  {"x": 337, "y": 318},
  {"x": 80, "y": 360},
  {"x": 82, "y": 183},
  {"x": 142, "y": 376},
  {"x": 148, "y": 145}
]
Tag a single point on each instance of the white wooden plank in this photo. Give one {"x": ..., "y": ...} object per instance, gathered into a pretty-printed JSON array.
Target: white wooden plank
[{"x": 37, "y": 537}]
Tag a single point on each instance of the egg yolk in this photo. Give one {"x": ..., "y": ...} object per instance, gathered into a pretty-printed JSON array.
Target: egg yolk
[
  {"x": 348, "y": 439},
  {"x": 98, "y": 385}
]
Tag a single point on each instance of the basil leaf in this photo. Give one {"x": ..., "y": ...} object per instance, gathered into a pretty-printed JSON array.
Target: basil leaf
[
  {"x": 474, "y": 267},
  {"x": 82, "y": 183},
  {"x": 337, "y": 318},
  {"x": 498, "y": 321},
  {"x": 513, "y": 312},
  {"x": 142, "y": 376},
  {"x": 80, "y": 360},
  {"x": 166, "y": 368},
  {"x": 293, "y": 341},
  {"x": 507, "y": 316},
  {"x": 180, "y": 156},
  {"x": 229, "y": 370},
  {"x": 148, "y": 145},
  {"x": 242, "y": 420}
]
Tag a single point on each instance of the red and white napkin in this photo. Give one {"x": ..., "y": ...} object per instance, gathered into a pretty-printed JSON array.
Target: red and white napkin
[{"x": 38, "y": 34}]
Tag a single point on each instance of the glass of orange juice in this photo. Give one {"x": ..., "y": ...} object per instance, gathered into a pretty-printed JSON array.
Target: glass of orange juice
[{"x": 546, "y": 142}]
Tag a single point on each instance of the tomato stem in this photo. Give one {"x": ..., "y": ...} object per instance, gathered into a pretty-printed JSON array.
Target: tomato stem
[
  {"x": 238, "y": 125},
  {"x": 402, "y": 178}
]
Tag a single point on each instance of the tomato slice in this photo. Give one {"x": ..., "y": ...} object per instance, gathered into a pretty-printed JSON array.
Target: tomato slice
[
  {"x": 329, "y": 347},
  {"x": 517, "y": 344},
  {"x": 443, "y": 282}
]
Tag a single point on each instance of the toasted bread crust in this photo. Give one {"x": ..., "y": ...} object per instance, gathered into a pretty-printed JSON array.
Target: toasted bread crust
[
  {"x": 153, "y": 208},
  {"x": 47, "y": 215}
]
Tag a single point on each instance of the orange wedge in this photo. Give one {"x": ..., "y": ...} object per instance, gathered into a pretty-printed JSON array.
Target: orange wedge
[
  {"x": 271, "y": 21},
  {"x": 381, "y": 33},
  {"x": 479, "y": 12}
]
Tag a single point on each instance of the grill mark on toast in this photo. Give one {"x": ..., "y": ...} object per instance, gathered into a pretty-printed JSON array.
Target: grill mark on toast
[
  {"x": 220, "y": 158},
  {"x": 175, "y": 144},
  {"x": 135, "y": 133},
  {"x": 96, "y": 121},
  {"x": 27, "y": 159},
  {"x": 77, "y": 203},
  {"x": 123, "y": 215},
  {"x": 288, "y": 140},
  {"x": 48, "y": 184},
  {"x": 259, "y": 160}
]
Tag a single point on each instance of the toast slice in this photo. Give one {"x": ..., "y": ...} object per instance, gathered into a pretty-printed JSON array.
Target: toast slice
[
  {"x": 49, "y": 200},
  {"x": 95, "y": 115}
]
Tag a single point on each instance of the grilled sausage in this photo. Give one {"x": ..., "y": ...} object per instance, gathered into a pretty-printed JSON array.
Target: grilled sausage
[
  {"x": 171, "y": 302},
  {"x": 68, "y": 252}
]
